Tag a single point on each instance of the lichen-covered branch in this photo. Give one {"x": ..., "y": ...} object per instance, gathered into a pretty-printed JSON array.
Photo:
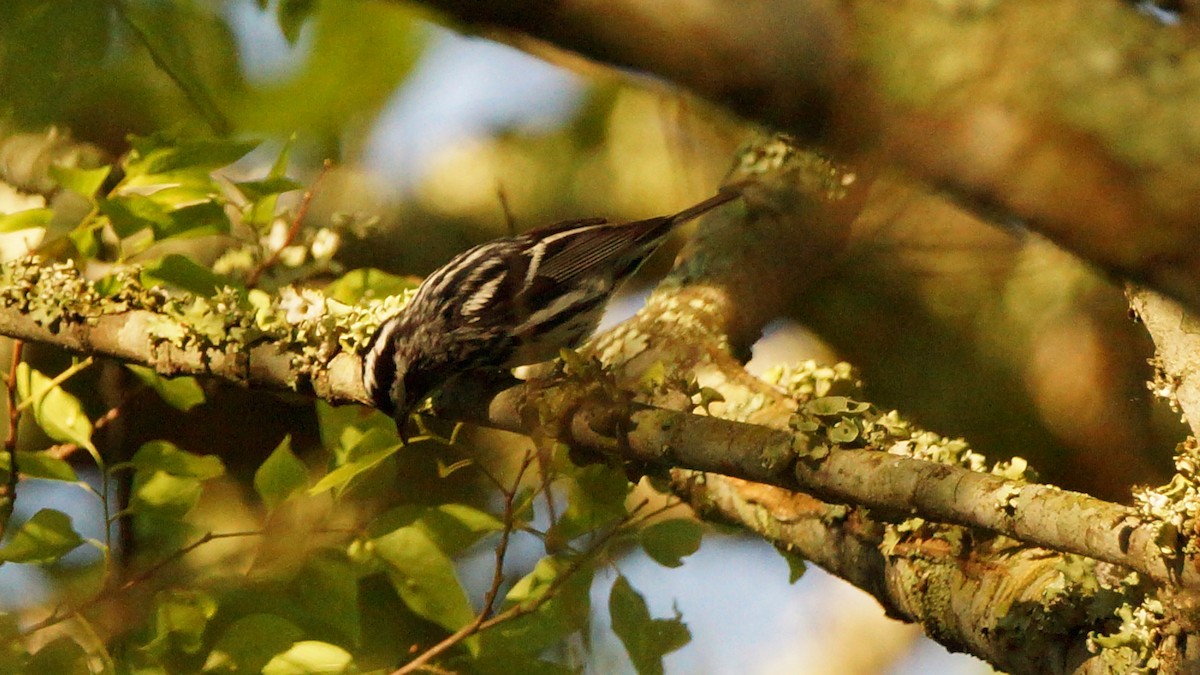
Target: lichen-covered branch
[
  {"x": 889, "y": 482},
  {"x": 1176, "y": 335},
  {"x": 142, "y": 326},
  {"x": 270, "y": 346},
  {"x": 1074, "y": 116}
]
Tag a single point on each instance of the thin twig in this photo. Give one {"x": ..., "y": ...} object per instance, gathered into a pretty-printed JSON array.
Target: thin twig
[
  {"x": 519, "y": 610},
  {"x": 61, "y": 615},
  {"x": 510, "y": 221},
  {"x": 489, "y": 601},
  {"x": 56, "y": 381},
  {"x": 8, "y": 493},
  {"x": 293, "y": 229}
]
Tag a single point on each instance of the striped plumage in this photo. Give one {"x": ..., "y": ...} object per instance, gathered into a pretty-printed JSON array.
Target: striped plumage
[{"x": 510, "y": 302}]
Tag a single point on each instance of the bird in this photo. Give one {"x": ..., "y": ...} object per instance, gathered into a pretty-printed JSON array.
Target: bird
[{"x": 510, "y": 302}]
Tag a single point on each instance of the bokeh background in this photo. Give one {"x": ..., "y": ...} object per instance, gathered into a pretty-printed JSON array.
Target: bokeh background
[{"x": 441, "y": 140}]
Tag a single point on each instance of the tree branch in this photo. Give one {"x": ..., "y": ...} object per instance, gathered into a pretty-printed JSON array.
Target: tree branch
[{"x": 1062, "y": 113}]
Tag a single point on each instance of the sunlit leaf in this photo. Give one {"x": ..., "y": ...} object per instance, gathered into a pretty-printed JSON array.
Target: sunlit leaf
[
  {"x": 27, "y": 219},
  {"x": 281, "y": 476},
  {"x": 456, "y": 527},
  {"x": 422, "y": 574},
  {"x": 83, "y": 182},
  {"x": 165, "y": 456},
  {"x": 44, "y": 538},
  {"x": 647, "y": 640},
  {"x": 311, "y": 657},
  {"x": 254, "y": 190},
  {"x": 170, "y": 496},
  {"x": 372, "y": 448},
  {"x": 182, "y": 272},
  {"x": 193, "y": 220},
  {"x": 182, "y": 393},
  {"x": 263, "y": 195},
  {"x": 132, "y": 213},
  {"x": 367, "y": 282},
  {"x": 42, "y": 465},
  {"x": 159, "y": 158},
  {"x": 58, "y": 413},
  {"x": 180, "y": 620},
  {"x": 668, "y": 541}
]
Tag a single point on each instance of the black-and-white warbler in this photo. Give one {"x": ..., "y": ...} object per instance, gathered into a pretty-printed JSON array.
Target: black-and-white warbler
[{"x": 510, "y": 302}]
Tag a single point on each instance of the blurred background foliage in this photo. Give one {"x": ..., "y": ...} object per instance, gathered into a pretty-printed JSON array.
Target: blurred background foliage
[{"x": 968, "y": 328}]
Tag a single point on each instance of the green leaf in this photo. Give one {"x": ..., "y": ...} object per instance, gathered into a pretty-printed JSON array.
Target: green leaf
[
  {"x": 12, "y": 648},
  {"x": 456, "y": 527},
  {"x": 44, "y": 538},
  {"x": 291, "y": 16},
  {"x": 311, "y": 657},
  {"x": 339, "y": 479},
  {"x": 264, "y": 195},
  {"x": 182, "y": 393},
  {"x": 256, "y": 190},
  {"x": 333, "y": 87},
  {"x": 165, "y": 456},
  {"x": 797, "y": 565},
  {"x": 27, "y": 219},
  {"x": 161, "y": 158},
  {"x": 180, "y": 620},
  {"x": 327, "y": 590},
  {"x": 647, "y": 640},
  {"x": 181, "y": 272},
  {"x": 164, "y": 494},
  {"x": 334, "y": 420},
  {"x": 367, "y": 282},
  {"x": 597, "y": 497},
  {"x": 193, "y": 220},
  {"x": 281, "y": 476},
  {"x": 422, "y": 574},
  {"x": 86, "y": 238},
  {"x": 159, "y": 30},
  {"x": 83, "y": 182},
  {"x": 61, "y": 656},
  {"x": 132, "y": 213},
  {"x": 250, "y": 642},
  {"x": 565, "y": 613},
  {"x": 58, "y": 413},
  {"x": 668, "y": 541},
  {"x": 42, "y": 465}
]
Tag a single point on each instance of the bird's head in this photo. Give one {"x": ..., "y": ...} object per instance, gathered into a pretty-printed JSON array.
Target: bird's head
[{"x": 397, "y": 374}]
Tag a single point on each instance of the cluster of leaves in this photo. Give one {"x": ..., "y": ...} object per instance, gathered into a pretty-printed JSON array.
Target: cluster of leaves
[{"x": 380, "y": 578}]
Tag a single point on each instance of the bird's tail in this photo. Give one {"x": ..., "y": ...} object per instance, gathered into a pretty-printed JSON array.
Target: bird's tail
[{"x": 726, "y": 194}]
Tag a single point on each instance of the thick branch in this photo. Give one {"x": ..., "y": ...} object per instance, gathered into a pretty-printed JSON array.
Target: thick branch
[
  {"x": 1041, "y": 515},
  {"x": 1074, "y": 116}
]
